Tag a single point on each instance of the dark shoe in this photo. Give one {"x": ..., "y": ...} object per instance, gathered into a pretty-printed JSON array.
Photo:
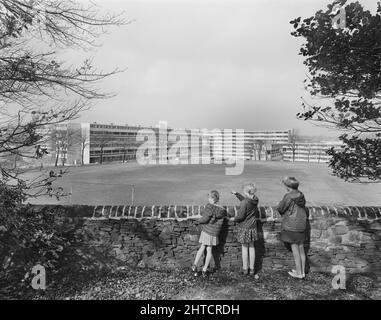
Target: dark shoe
[
  {"x": 205, "y": 274},
  {"x": 245, "y": 272},
  {"x": 252, "y": 273}
]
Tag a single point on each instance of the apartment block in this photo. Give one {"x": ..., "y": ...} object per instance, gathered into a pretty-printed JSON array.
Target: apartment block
[
  {"x": 309, "y": 152},
  {"x": 86, "y": 143}
]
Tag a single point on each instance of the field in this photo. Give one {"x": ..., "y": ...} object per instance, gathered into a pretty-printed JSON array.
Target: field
[{"x": 190, "y": 184}]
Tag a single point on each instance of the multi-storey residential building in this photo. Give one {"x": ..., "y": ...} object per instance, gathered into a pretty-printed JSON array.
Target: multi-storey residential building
[
  {"x": 257, "y": 145},
  {"x": 86, "y": 143},
  {"x": 309, "y": 152},
  {"x": 121, "y": 143},
  {"x": 112, "y": 142}
]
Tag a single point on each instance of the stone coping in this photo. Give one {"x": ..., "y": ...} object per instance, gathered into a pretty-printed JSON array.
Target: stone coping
[{"x": 186, "y": 212}]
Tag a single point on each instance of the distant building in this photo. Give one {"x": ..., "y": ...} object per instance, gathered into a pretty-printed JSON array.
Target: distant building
[
  {"x": 84, "y": 143},
  {"x": 112, "y": 143},
  {"x": 309, "y": 152},
  {"x": 275, "y": 152},
  {"x": 120, "y": 143},
  {"x": 258, "y": 145}
]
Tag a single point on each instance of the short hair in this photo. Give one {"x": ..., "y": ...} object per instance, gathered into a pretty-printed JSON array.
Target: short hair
[
  {"x": 291, "y": 182},
  {"x": 250, "y": 188},
  {"x": 214, "y": 195}
]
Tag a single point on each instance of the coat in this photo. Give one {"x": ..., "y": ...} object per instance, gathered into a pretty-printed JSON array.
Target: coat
[
  {"x": 248, "y": 212},
  {"x": 213, "y": 219},
  {"x": 293, "y": 209}
]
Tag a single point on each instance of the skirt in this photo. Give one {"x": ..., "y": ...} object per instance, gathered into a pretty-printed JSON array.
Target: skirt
[
  {"x": 245, "y": 236},
  {"x": 207, "y": 239},
  {"x": 293, "y": 237}
]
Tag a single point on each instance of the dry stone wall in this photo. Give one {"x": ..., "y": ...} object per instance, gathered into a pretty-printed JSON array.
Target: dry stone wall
[{"x": 167, "y": 236}]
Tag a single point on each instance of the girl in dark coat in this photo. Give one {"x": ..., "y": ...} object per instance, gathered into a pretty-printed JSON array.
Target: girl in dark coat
[
  {"x": 247, "y": 232},
  {"x": 294, "y": 222},
  {"x": 211, "y": 221}
]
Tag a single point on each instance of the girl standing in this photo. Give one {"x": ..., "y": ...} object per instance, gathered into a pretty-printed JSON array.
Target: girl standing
[
  {"x": 247, "y": 232},
  {"x": 294, "y": 222},
  {"x": 211, "y": 221}
]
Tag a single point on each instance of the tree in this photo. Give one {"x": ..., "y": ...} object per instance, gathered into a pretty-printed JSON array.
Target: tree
[
  {"x": 60, "y": 139},
  {"x": 344, "y": 63},
  {"x": 266, "y": 151},
  {"x": 37, "y": 91},
  {"x": 309, "y": 153},
  {"x": 258, "y": 146},
  {"x": 103, "y": 140},
  {"x": 85, "y": 142},
  {"x": 124, "y": 149},
  {"x": 294, "y": 139}
]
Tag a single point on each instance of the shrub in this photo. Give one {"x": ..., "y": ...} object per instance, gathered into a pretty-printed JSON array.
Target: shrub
[{"x": 46, "y": 236}]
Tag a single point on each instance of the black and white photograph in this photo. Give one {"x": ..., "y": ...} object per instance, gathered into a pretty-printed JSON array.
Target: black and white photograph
[{"x": 203, "y": 152}]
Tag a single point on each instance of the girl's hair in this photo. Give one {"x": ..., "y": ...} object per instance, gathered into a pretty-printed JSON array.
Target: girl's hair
[
  {"x": 291, "y": 182},
  {"x": 250, "y": 188},
  {"x": 214, "y": 195}
]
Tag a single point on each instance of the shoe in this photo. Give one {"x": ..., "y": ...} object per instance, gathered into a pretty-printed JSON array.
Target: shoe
[
  {"x": 303, "y": 274},
  {"x": 245, "y": 272},
  {"x": 204, "y": 274},
  {"x": 252, "y": 273},
  {"x": 294, "y": 275},
  {"x": 194, "y": 268}
]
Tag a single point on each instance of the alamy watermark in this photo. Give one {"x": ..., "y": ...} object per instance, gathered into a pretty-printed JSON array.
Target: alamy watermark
[
  {"x": 339, "y": 21},
  {"x": 196, "y": 146},
  {"x": 339, "y": 280},
  {"x": 39, "y": 279}
]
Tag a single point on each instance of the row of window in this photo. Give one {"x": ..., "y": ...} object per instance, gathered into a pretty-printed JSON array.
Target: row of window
[
  {"x": 108, "y": 146},
  {"x": 129, "y": 151},
  {"x": 301, "y": 154},
  {"x": 307, "y": 158},
  {"x": 117, "y": 133},
  {"x": 112, "y": 158}
]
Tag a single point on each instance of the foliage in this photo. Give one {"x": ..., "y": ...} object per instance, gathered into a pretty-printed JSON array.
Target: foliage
[
  {"x": 42, "y": 236},
  {"x": 344, "y": 67},
  {"x": 38, "y": 91},
  {"x": 357, "y": 158}
]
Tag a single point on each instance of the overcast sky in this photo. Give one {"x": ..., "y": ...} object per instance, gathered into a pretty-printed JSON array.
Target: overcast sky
[{"x": 206, "y": 64}]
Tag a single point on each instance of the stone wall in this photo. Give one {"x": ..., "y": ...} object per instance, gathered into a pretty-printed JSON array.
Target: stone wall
[{"x": 167, "y": 236}]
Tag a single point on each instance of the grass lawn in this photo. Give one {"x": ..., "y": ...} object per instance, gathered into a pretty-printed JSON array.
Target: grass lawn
[
  {"x": 143, "y": 284},
  {"x": 190, "y": 184}
]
